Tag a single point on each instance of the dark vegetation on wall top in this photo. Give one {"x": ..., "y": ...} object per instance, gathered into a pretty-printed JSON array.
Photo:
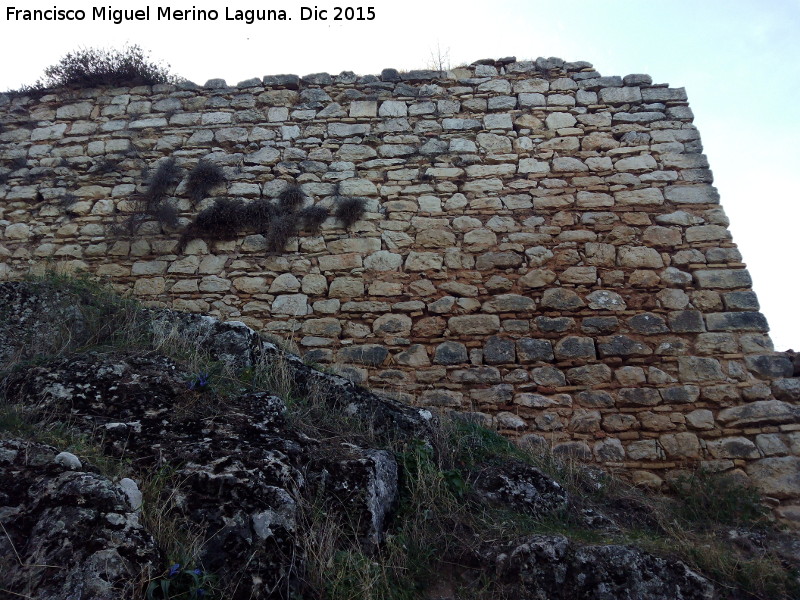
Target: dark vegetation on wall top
[{"x": 92, "y": 67}]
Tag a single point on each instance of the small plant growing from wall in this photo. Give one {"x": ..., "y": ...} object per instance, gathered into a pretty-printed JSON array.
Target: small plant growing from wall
[
  {"x": 312, "y": 218},
  {"x": 259, "y": 214},
  {"x": 281, "y": 229},
  {"x": 222, "y": 221},
  {"x": 291, "y": 198},
  {"x": 202, "y": 179},
  {"x": 153, "y": 202},
  {"x": 350, "y": 210},
  {"x": 277, "y": 221}
]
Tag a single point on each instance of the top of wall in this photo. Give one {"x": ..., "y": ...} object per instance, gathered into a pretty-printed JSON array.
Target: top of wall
[{"x": 397, "y": 82}]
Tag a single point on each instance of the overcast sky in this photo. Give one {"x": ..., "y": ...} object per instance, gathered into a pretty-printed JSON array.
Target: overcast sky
[{"x": 739, "y": 61}]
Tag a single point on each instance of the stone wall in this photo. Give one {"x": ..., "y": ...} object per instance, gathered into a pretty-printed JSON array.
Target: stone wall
[{"x": 542, "y": 247}]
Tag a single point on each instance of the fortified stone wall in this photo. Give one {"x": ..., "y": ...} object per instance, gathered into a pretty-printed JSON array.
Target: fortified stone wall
[{"x": 542, "y": 247}]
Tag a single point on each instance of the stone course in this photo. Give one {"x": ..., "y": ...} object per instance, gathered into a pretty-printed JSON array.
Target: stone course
[{"x": 542, "y": 247}]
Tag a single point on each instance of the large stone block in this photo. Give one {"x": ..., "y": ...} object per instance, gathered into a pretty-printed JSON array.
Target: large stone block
[
  {"x": 759, "y": 413},
  {"x": 450, "y": 353},
  {"x": 737, "y": 321},
  {"x": 723, "y": 278},
  {"x": 575, "y": 347},
  {"x": 776, "y": 476},
  {"x": 498, "y": 350},
  {"x": 622, "y": 345},
  {"x": 474, "y": 324},
  {"x": 680, "y": 445},
  {"x": 371, "y": 355},
  {"x": 530, "y": 350},
  {"x": 697, "y": 369},
  {"x": 561, "y": 299}
]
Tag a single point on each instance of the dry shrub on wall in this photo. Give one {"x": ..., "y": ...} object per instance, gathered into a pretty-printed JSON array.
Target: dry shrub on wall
[
  {"x": 202, "y": 179},
  {"x": 153, "y": 202},
  {"x": 281, "y": 229},
  {"x": 312, "y": 218},
  {"x": 221, "y": 221},
  {"x": 350, "y": 210},
  {"x": 259, "y": 213},
  {"x": 291, "y": 198},
  {"x": 90, "y": 67},
  {"x": 278, "y": 222}
]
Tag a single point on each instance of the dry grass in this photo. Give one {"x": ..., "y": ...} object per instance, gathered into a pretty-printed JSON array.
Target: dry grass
[
  {"x": 313, "y": 217},
  {"x": 291, "y": 198},
  {"x": 350, "y": 210},
  {"x": 202, "y": 179}
]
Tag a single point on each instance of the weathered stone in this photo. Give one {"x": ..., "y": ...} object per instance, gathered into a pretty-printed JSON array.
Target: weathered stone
[
  {"x": 680, "y": 445},
  {"x": 548, "y": 376},
  {"x": 509, "y": 303},
  {"x": 763, "y": 412},
  {"x": 736, "y": 321},
  {"x": 531, "y": 350},
  {"x": 414, "y": 356},
  {"x": 639, "y": 397},
  {"x": 596, "y": 399},
  {"x": 554, "y": 324},
  {"x": 639, "y": 257},
  {"x": 692, "y": 194},
  {"x": 606, "y": 300},
  {"x": 622, "y": 345},
  {"x": 574, "y": 347},
  {"x": 314, "y": 284},
  {"x": 778, "y": 477},
  {"x": 561, "y": 299},
  {"x": 423, "y": 261},
  {"x": 392, "y": 324},
  {"x": 450, "y": 353},
  {"x": 443, "y": 398},
  {"x": 770, "y": 366},
  {"x": 686, "y": 321},
  {"x": 326, "y": 327},
  {"x": 474, "y": 324},
  {"x": 697, "y": 369},
  {"x": 476, "y": 375},
  {"x": 285, "y": 282},
  {"x": 371, "y": 355},
  {"x": 537, "y": 278},
  {"x": 723, "y": 278},
  {"x": 495, "y": 395},
  {"x": 589, "y": 375},
  {"x": 645, "y": 450},
  {"x": 290, "y": 304},
  {"x": 609, "y": 450},
  {"x": 599, "y": 325},
  {"x": 498, "y": 350},
  {"x": 700, "y": 419},
  {"x": 498, "y": 260},
  {"x": 733, "y": 447},
  {"x": 648, "y": 324}
]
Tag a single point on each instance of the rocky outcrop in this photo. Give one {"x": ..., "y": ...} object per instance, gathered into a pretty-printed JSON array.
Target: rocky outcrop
[
  {"x": 552, "y": 568},
  {"x": 68, "y": 532},
  {"x": 227, "y": 463},
  {"x": 240, "y": 472}
]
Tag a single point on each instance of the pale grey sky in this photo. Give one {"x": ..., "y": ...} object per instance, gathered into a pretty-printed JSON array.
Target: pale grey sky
[{"x": 739, "y": 61}]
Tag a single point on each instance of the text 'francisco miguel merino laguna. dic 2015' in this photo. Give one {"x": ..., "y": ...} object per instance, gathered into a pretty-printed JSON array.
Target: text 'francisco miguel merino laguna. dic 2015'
[{"x": 167, "y": 13}]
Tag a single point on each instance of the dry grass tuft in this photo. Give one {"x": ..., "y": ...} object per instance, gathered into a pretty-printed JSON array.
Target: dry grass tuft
[
  {"x": 350, "y": 210},
  {"x": 202, "y": 179}
]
